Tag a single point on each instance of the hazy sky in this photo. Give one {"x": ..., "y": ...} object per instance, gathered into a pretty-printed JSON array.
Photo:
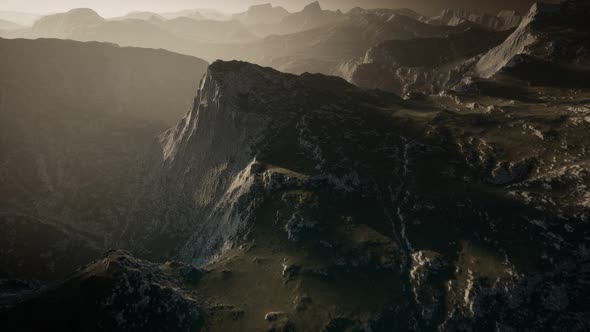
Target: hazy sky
[{"x": 120, "y": 7}]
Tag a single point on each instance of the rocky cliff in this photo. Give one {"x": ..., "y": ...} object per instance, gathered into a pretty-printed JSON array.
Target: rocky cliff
[
  {"x": 554, "y": 35},
  {"x": 386, "y": 213}
]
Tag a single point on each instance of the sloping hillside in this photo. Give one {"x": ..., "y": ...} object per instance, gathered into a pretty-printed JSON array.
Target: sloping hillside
[{"x": 74, "y": 117}]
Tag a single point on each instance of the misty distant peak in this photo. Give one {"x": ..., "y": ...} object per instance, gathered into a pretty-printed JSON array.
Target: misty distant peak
[
  {"x": 260, "y": 6},
  {"x": 313, "y": 7},
  {"x": 83, "y": 12},
  {"x": 262, "y": 14}
]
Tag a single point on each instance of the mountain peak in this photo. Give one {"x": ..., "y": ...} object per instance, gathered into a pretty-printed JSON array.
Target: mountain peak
[
  {"x": 238, "y": 76},
  {"x": 83, "y": 12},
  {"x": 222, "y": 66},
  {"x": 313, "y": 7},
  {"x": 260, "y": 6},
  {"x": 262, "y": 14},
  {"x": 546, "y": 25}
]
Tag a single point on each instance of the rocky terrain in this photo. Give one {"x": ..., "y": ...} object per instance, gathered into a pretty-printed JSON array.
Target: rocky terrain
[
  {"x": 473, "y": 207},
  {"x": 422, "y": 65},
  {"x": 285, "y": 202},
  {"x": 548, "y": 38},
  {"x": 505, "y": 20}
]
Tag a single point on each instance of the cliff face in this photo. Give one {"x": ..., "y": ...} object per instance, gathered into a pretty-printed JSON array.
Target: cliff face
[
  {"x": 424, "y": 65},
  {"x": 551, "y": 34},
  {"x": 214, "y": 160},
  {"x": 550, "y": 41},
  {"x": 309, "y": 184}
]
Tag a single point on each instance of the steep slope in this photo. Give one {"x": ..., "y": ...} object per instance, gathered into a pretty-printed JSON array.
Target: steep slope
[
  {"x": 74, "y": 117},
  {"x": 549, "y": 48},
  {"x": 66, "y": 25},
  {"x": 360, "y": 210},
  {"x": 116, "y": 293},
  {"x": 553, "y": 37},
  {"x": 423, "y": 65}
]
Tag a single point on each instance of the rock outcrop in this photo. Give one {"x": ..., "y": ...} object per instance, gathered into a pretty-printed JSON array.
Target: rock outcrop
[
  {"x": 551, "y": 34},
  {"x": 316, "y": 182},
  {"x": 116, "y": 293},
  {"x": 424, "y": 65}
]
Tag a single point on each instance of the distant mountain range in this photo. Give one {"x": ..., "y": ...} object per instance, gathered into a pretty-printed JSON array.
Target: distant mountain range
[
  {"x": 23, "y": 19},
  {"x": 312, "y": 40}
]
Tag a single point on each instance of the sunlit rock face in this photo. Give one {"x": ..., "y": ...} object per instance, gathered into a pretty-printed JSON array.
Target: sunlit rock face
[
  {"x": 299, "y": 180},
  {"x": 554, "y": 34},
  {"x": 550, "y": 40},
  {"x": 423, "y": 65}
]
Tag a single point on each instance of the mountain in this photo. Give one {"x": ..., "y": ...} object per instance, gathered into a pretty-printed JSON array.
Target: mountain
[
  {"x": 265, "y": 20},
  {"x": 203, "y": 38},
  {"x": 284, "y": 202},
  {"x": 304, "y": 202},
  {"x": 326, "y": 48},
  {"x": 312, "y": 16},
  {"x": 426, "y": 7},
  {"x": 7, "y": 25},
  {"x": 140, "y": 16},
  {"x": 196, "y": 14},
  {"x": 262, "y": 14},
  {"x": 551, "y": 41},
  {"x": 553, "y": 37},
  {"x": 66, "y": 25},
  {"x": 424, "y": 65},
  {"x": 74, "y": 119},
  {"x": 325, "y": 39},
  {"x": 505, "y": 20},
  {"x": 24, "y": 19},
  {"x": 98, "y": 297}
]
